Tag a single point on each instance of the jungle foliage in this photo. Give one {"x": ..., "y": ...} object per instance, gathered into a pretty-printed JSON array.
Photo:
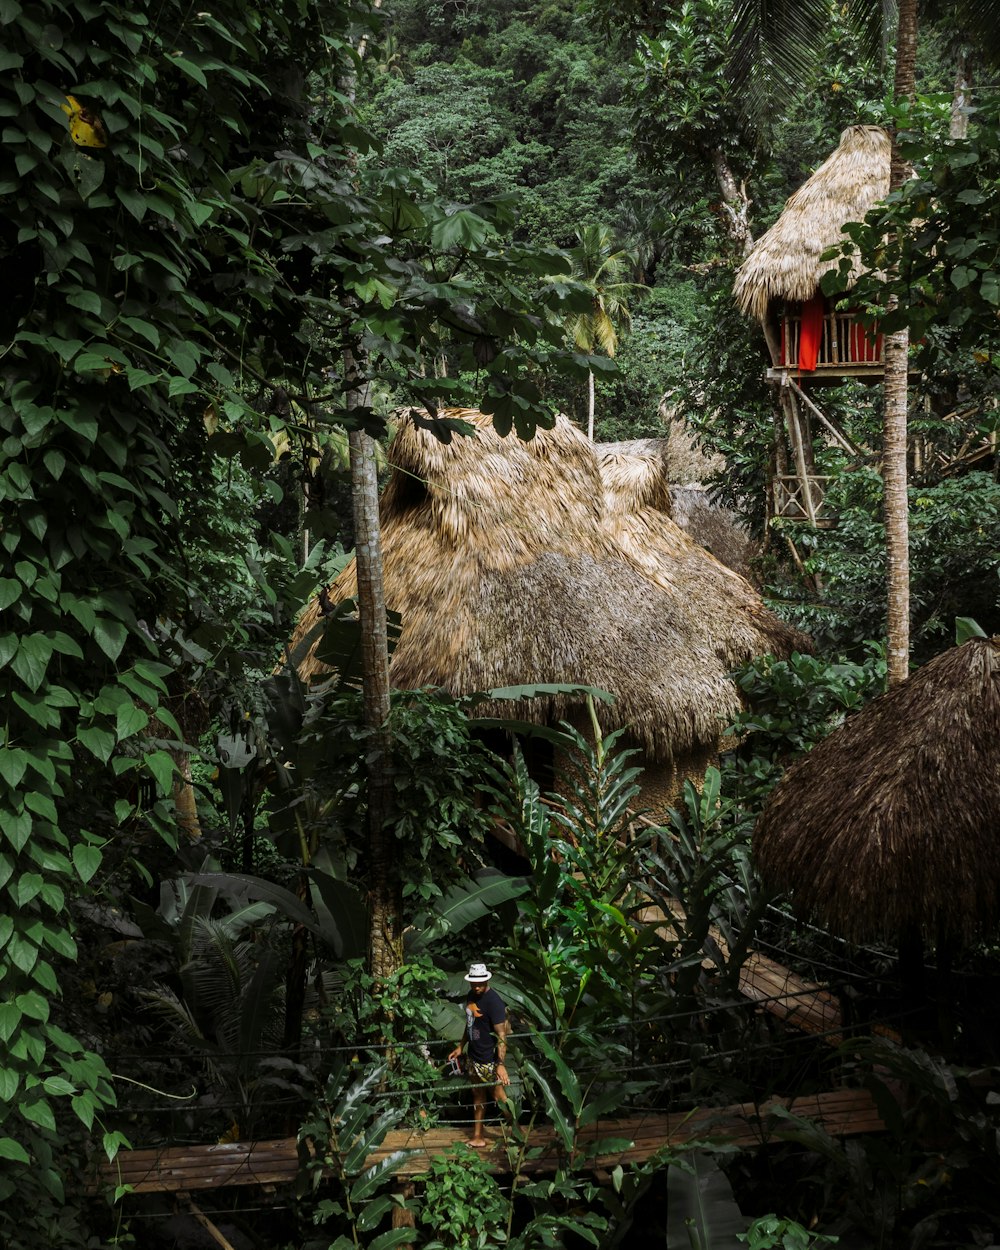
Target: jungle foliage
[{"x": 201, "y": 210}]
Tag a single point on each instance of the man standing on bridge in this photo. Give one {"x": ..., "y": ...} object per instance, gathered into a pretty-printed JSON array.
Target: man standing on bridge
[{"x": 486, "y": 1041}]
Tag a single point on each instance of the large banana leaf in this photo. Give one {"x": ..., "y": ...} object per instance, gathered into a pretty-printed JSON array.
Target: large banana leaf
[
  {"x": 341, "y": 915},
  {"x": 464, "y": 903},
  {"x": 701, "y": 1211},
  {"x": 339, "y": 919},
  {"x": 242, "y": 885}
]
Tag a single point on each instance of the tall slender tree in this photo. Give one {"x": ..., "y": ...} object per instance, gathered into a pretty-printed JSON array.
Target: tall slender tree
[
  {"x": 385, "y": 890},
  {"x": 602, "y": 267},
  {"x": 897, "y": 347}
]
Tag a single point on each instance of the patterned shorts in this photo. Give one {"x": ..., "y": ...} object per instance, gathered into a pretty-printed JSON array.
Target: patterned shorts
[{"x": 483, "y": 1073}]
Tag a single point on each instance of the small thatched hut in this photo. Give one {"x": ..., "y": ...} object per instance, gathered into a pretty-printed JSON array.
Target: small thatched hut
[
  {"x": 639, "y": 475},
  {"x": 513, "y": 562},
  {"x": 891, "y": 826},
  {"x": 778, "y": 281}
]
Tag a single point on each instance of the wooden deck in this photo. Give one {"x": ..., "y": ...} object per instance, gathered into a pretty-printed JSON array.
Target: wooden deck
[
  {"x": 183, "y": 1169},
  {"x": 802, "y": 1004}
]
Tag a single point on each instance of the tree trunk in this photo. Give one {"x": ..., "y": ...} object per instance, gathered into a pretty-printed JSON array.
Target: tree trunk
[
  {"x": 959, "y": 127},
  {"x": 735, "y": 202},
  {"x": 896, "y": 507},
  {"x": 897, "y": 347},
  {"x": 385, "y": 940},
  {"x": 590, "y": 404},
  {"x": 385, "y": 901}
]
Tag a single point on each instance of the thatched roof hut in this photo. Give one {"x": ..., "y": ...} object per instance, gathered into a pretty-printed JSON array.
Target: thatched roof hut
[
  {"x": 511, "y": 562},
  {"x": 717, "y": 528},
  {"x": 892, "y": 824},
  {"x": 639, "y": 474},
  {"x": 784, "y": 263},
  {"x": 636, "y": 474}
]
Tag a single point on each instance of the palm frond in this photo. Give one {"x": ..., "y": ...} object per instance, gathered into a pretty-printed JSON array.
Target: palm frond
[
  {"x": 775, "y": 45},
  {"x": 872, "y": 24},
  {"x": 165, "y": 1003},
  {"x": 979, "y": 20}
]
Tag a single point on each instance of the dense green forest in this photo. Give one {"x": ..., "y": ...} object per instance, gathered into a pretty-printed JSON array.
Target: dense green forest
[{"x": 240, "y": 243}]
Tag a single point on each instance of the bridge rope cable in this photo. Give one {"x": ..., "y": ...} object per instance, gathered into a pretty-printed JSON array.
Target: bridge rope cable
[
  {"x": 447, "y": 1088},
  {"x": 769, "y": 1048},
  {"x": 741, "y": 1003}
]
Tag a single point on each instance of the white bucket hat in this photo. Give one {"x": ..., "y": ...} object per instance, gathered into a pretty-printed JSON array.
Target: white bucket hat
[{"x": 478, "y": 972}]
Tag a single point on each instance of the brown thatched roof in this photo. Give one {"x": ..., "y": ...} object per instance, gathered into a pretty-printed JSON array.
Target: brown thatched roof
[
  {"x": 636, "y": 476},
  {"x": 715, "y": 527},
  {"x": 785, "y": 261},
  {"x": 893, "y": 822},
  {"x": 508, "y": 567}
]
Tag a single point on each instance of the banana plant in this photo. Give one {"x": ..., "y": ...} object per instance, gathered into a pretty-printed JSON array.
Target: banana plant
[
  {"x": 335, "y": 1142},
  {"x": 702, "y": 1213}
]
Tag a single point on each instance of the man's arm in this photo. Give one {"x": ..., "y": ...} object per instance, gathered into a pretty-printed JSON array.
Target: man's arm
[{"x": 501, "y": 1030}]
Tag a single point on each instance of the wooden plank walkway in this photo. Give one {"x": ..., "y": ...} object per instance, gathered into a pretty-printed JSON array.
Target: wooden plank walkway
[
  {"x": 182, "y": 1169},
  {"x": 802, "y": 1004}
]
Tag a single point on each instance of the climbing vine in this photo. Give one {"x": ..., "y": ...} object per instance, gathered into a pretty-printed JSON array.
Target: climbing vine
[{"x": 186, "y": 244}]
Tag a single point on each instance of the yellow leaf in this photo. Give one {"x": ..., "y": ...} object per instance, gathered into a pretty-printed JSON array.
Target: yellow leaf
[{"x": 85, "y": 127}]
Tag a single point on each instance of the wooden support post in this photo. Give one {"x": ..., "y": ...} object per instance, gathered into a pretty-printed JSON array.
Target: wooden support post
[
  {"x": 215, "y": 1233},
  {"x": 824, "y": 420},
  {"x": 798, "y": 451},
  {"x": 402, "y": 1217}
]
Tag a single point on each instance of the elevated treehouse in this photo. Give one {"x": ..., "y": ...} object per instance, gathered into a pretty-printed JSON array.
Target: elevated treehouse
[{"x": 811, "y": 342}]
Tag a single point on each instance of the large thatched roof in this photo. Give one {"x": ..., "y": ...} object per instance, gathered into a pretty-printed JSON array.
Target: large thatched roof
[
  {"x": 893, "y": 822},
  {"x": 785, "y": 261},
  {"x": 508, "y": 566},
  {"x": 637, "y": 475}
]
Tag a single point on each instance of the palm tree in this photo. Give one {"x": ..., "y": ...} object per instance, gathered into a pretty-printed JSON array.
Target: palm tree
[
  {"x": 896, "y": 386},
  {"x": 601, "y": 267}
]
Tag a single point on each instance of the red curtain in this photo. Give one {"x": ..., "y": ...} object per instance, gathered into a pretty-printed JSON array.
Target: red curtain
[{"x": 811, "y": 336}]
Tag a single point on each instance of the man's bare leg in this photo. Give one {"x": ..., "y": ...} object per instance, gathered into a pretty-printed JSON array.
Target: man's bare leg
[{"x": 478, "y": 1113}]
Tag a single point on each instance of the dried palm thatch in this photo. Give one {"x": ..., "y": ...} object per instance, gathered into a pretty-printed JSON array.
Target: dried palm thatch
[
  {"x": 715, "y": 527},
  {"x": 892, "y": 824},
  {"x": 635, "y": 475},
  {"x": 507, "y": 567},
  {"x": 785, "y": 262}
]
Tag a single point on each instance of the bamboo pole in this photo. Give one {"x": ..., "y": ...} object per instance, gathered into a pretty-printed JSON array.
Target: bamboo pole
[{"x": 823, "y": 418}]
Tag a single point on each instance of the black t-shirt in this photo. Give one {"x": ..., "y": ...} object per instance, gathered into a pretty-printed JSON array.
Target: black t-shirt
[{"x": 482, "y": 1014}]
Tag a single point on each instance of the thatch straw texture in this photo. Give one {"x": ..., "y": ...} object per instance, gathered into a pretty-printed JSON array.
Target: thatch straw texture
[
  {"x": 635, "y": 474},
  {"x": 711, "y": 525},
  {"x": 785, "y": 262},
  {"x": 893, "y": 822},
  {"x": 507, "y": 567}
]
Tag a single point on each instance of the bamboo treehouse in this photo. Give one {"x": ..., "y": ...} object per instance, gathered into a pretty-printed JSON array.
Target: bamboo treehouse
[{"x": 811, "y": 341}]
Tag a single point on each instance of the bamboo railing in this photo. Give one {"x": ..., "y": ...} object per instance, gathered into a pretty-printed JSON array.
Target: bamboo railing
[{"x": 844, "y": 342}]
